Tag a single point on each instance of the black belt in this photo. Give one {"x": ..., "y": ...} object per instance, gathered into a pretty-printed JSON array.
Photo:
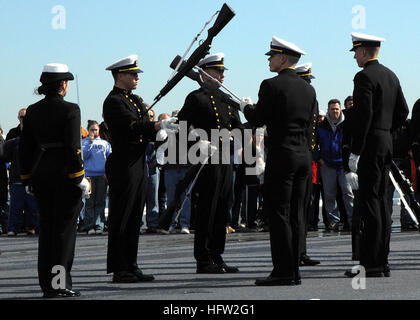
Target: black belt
[
  {"x": 44, "y": 147},
  {"x": 381, "y": 129},
  {"x": 52, "y": 145}
]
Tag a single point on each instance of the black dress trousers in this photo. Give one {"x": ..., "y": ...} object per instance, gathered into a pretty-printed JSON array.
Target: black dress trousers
[
  {"x": 59, "y": 208},
  {"x": 285, "y": 183}
]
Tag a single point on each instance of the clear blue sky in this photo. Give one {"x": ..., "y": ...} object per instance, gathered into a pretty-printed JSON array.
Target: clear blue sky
[{"x": 97, "y": 33}]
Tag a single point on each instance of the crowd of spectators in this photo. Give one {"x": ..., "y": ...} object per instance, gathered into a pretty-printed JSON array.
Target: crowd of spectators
[{"x": 19, "y": 213}]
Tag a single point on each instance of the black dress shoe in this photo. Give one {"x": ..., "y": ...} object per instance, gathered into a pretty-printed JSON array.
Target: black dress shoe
[
  {"x": 228, "y": 269},
  {"x": 61, "y": 293},
  {"x": 409, "y": 227},
  {"x": 151, "y": 230},
  {"x": 346, "y": 227},
  {"x": 67, "y": 293},
  {"x": 333, "y": 227},
  {"x": 210, "y": 268},
  {"x": 124, "y": 277},
  {"x": 307, "y": 261},
  {"x": 141, "y": 277},
  {"x": 276, "y": 281},
  {"x": 50, "y": 294},
  {"x": 387, "y": 271},
  {"x": 312, "y": 228},
  {"x": 369, "y": 273}
]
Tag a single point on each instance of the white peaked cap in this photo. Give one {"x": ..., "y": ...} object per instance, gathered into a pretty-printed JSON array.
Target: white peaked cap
[
  {"x": 305, "y": 67},
  {"x": 216, "y": 60},
  {"x": 56, "y": 68},
  {"x": 53, "y": 72},
  {"x": 278, "y": 45},
  {"x": 127, "y": 64},
  {"x": 305, "y": 70},
  {"x": 357, "y": 36},
  {"x": 365, "y": 40}
]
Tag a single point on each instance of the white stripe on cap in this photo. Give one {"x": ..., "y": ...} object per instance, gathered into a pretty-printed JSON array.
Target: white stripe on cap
[
  {"x": 303, "y": 67},
  {"x": 56, "y": 68},
  {"x": 213, "y": 58},
  {"x": 287, "y": 45},
  {"x": 124, "y": 62},
  {"x": 357, "y": 36}
]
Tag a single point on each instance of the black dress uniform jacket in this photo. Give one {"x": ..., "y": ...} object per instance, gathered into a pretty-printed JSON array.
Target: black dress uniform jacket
[
  {"x": 415, "y": 132},
  {"x": 130, "y": 131},
  {"x": 287, "y": 105},
  {"x": 379, "y": 107},
  {"x": 3, "y": 185},
  {"x": 50, "y": 158},
  {"x": 208, "y": 109}
]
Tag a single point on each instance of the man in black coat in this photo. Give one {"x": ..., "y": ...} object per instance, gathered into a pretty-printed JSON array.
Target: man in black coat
[
  {"x": 207, "y": 109},
  {"x": 52, "y": 167},
  {"x": 15, "y": 132},
  {"x": 379, "y": 108},
  {"x": 287, "y": 106},
  {"x": 130, "y": 131},
  {"x": 351, "y": 176},
  {"x": 305, "y": 72}
]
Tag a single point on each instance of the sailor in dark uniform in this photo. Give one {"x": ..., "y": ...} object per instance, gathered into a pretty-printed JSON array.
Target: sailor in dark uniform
[
  {"x": 351, "y": 177},
  {"x": 379, "y": 108},
  {"x": 305, "y": 72},
  {"x": 287, "y": 106},
  {"x": 130, "y": 131},
  {"x": 207, "y": 109},
  {"x": 415, "y": 133},
  {"x": 52, "y": 168}
]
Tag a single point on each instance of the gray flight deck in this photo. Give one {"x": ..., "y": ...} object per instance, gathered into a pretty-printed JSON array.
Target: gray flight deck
[{"x": 170, "y": 259}]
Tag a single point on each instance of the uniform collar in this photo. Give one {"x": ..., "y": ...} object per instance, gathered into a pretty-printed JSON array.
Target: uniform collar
[
  {"x": 288, "y": 71},
  {"x": 210, "y": 90},
  {"x": 122, "y": 91},
  {"x": 371, "y": 62},
  {"x": 55, "y": 95}
]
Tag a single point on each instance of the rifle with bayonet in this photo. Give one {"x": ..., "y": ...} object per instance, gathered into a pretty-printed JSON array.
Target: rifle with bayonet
[
  {"x": 225, "y": 15},
  {"x": 406, "y": 189},
  {"x": 194, "y": 75}
]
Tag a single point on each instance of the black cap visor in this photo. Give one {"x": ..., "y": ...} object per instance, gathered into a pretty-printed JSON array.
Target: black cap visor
[{"x": 50, "y": 77}]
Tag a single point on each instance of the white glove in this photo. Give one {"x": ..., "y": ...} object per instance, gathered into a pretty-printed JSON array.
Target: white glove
[
  {"x": 85, "y": 187},
  {"x": 353, "y": 161},
  {"x": 161, "y": 135},
  {"x": 193, "y": 133},
  {"x": 206, "y": 148},
  {"x": 352, "y": 180},
  {"x": 28, "y": 190},
  {"x": 169, "y": 124},
  {"x": 259, "y": 167},
  {"x": 199, "y": 133},
  {"x": 244, "y": 102}
]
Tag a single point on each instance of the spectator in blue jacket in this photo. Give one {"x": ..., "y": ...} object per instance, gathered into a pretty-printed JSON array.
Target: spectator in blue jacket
[
  {"x": 95, "y": 153},
  {"x": 329, "y": 154}
]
